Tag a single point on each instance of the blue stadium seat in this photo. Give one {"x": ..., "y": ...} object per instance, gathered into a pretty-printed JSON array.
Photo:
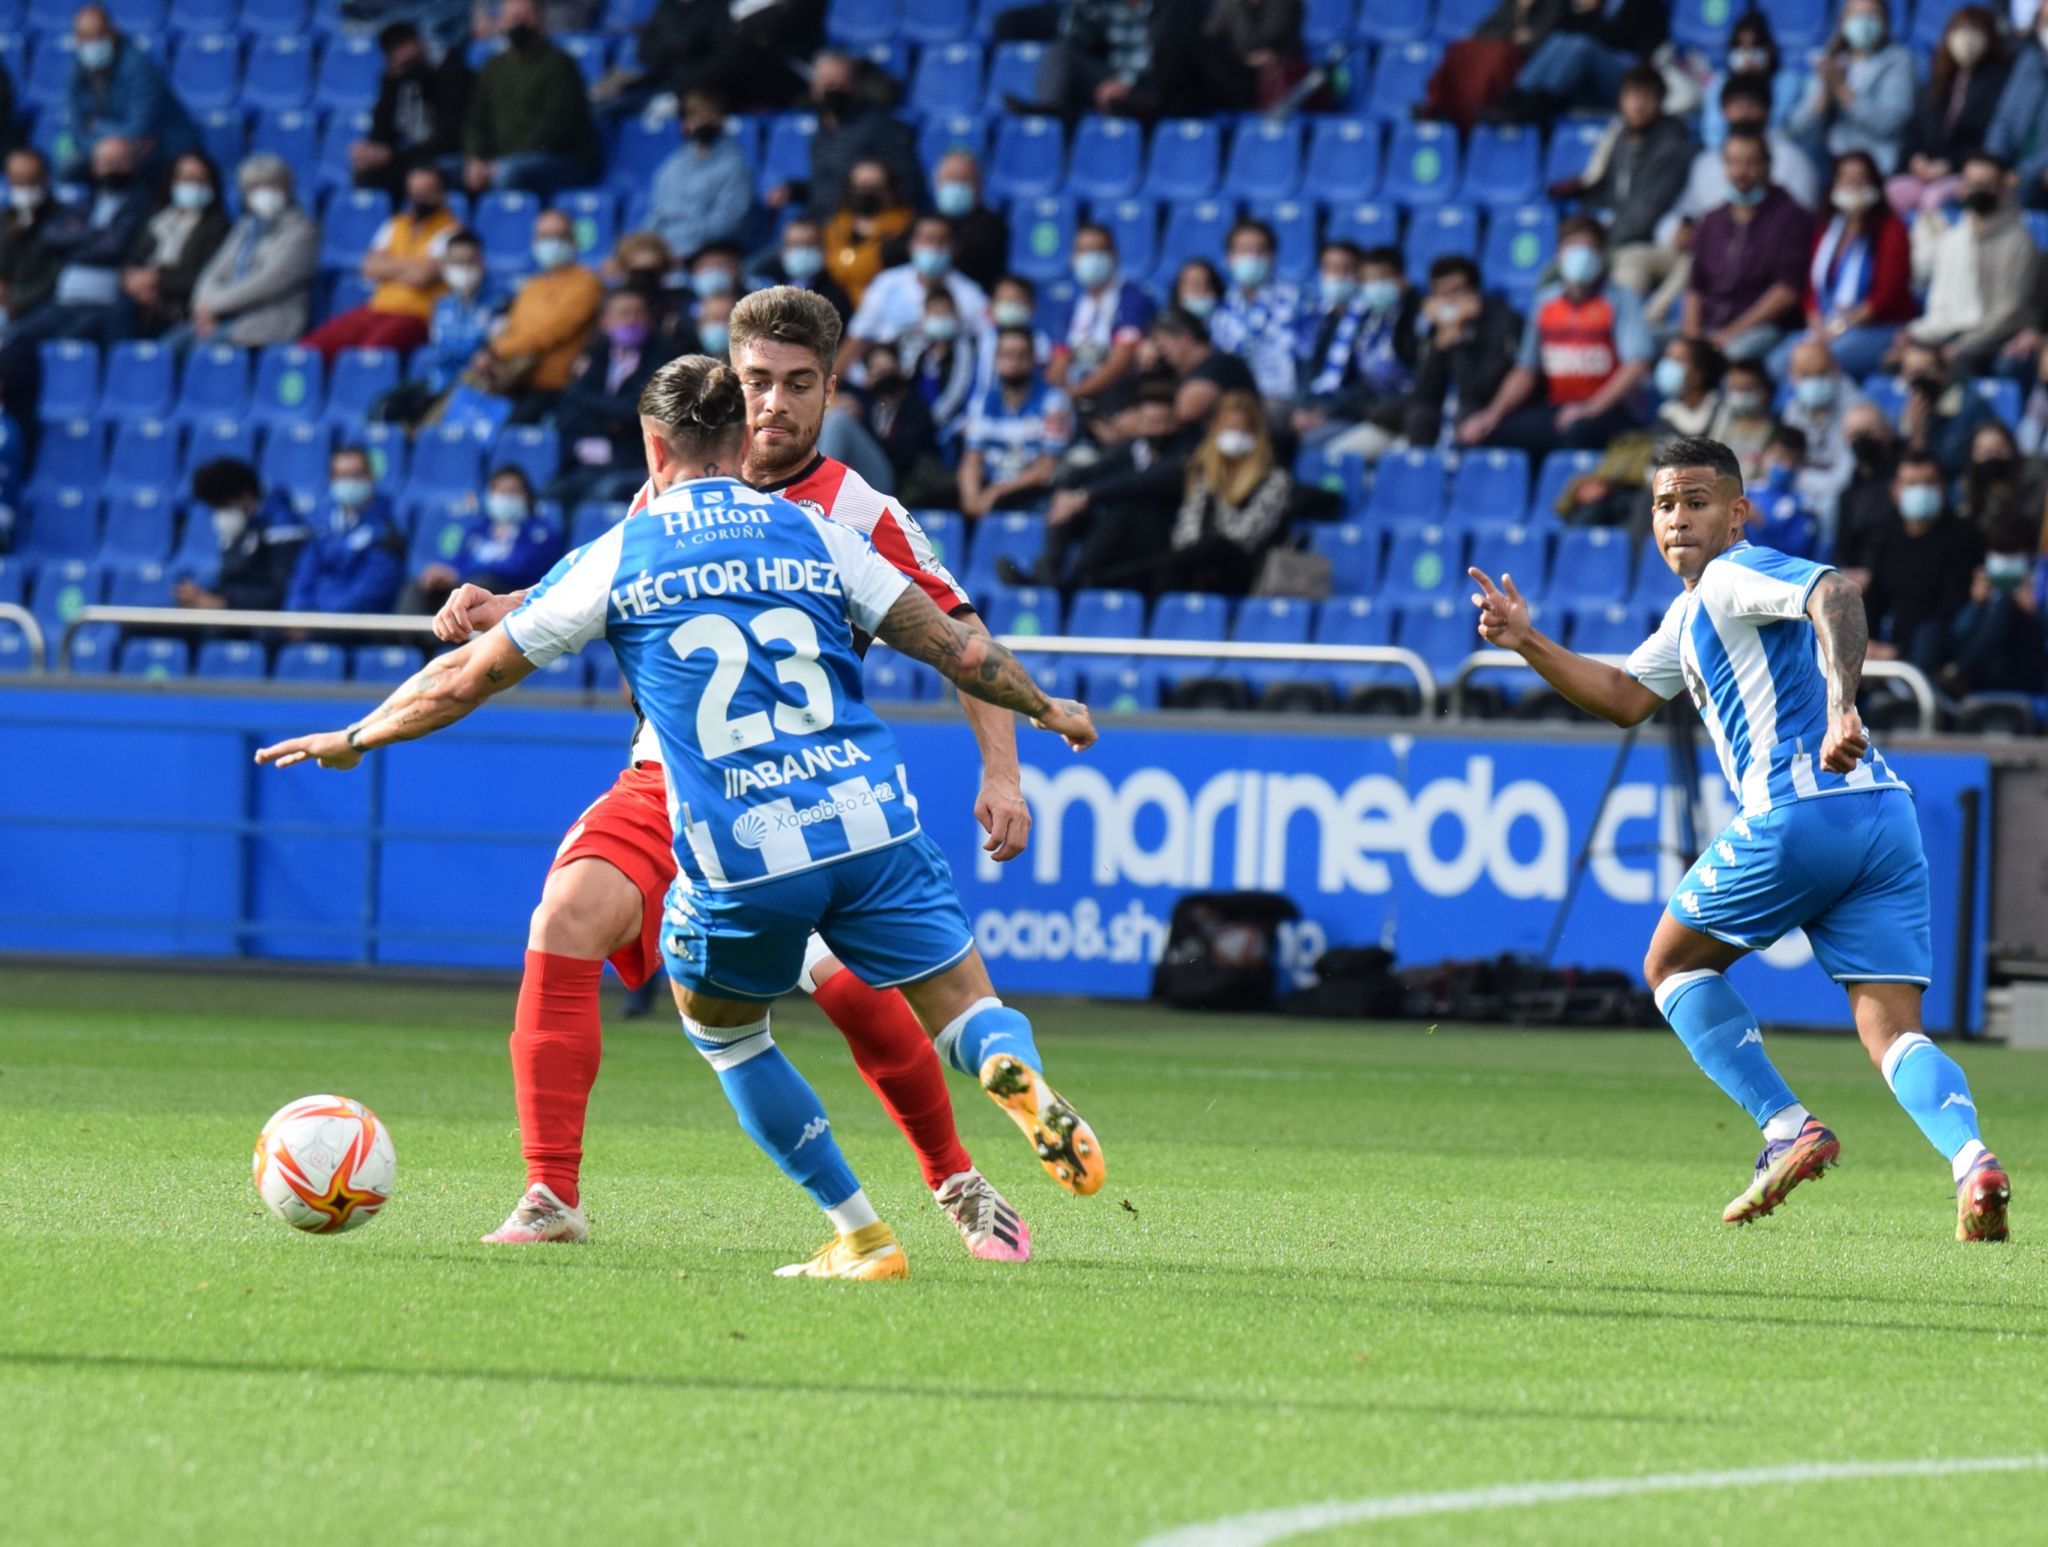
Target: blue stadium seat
[
  {"x": 1408, "y": 487},
  {"x": 605, "y": 677},
  {"x": 1571, "y": 146},
  {"x": 1013, "y": 72},
  {"x": 215, "y": 438},
  {"x": 594, "y": 213},
  {"x": 1930, "y": 20},
  {"x": 1366, "y": 225},
  {"x": 889, "y": 678},
  {"x": 1802, "y": 25},
  {"x": 1273, "y": 620},
  {"x": 69, "y": 456},
  {"x": 1502, "y": 165},
  {"x": 935, "y": 21},
  {"x": 1703, "y": 24},
  {"x": 1443, "y": 632},
  {"x": 2002, "y": 394},
  {"x": 954, "y": 131},
  {"x": 280, "y": 74},
  {"x": 1185, "y": 157},
  {"x": 1354, "y": 620},
  {"x": 63, "y": 523},
  {"x": 1457, "y": 19},
  {"x": 1109, "y": 156},
  {"x": 13, "y": 581},
  {"x": 382, "y": 663},
  {"x": 1615, "y": 629},
  {"x": 1592, "y": 565},
  {"x": 1432, "y": 233},
  {"x": 1343, "y": 476},
  {"x": 232, "y": 660},
  {"x": 223, "y": 134},
  {"x": 206, "y": 71},
  {"x": 1399, "y": 80},
  {"x": 504, "y": 220},
  {"x": 15, "y": 658},
  {"x": 1422, "y": 164},
  {"x": 1559, "y": 469},
  {"x": 590, "y": 522},
  {"x": 947, "y": 80},
  {"x": 61, "y": 589},
  {"x": 140, "y": 382},
  {"x": 1041, "y": 238},
  {"x": 1655, "y": 585},
  {"x": 1023, "y": 611},
  {"x": 1353, "y": 550},
  {"x": 1424, "y": 562},
  {"x": 644, "y": 143},
  {"x": 295, "y": 458},
  {"x": 159, "y": 660},
  {"x": 1490, "y": 485},
  {"x": 1296, "y": 243},
  {"x": 71, "y": 380},
  {"x": 1130, "y": 686},
  {"x": 1343, "y": 161},
  {"x": 147, "y": 583},
  {"x": 143, "y": 16},
  {"x": 564, "y": 674},
  {"x": 1028, "y": 160},
  {"x": 1107, "y": 614},
  {"x": 216, "y": 383},
  {"x": 1016, "y": 535},
  {"x": 351, "y": 222},
  {"x": 294, "y": 137},
  {"x": 1265, "y": 160},
  {"x": 1134, "y": 224},
  {"x": 307, "y": 661},
  {"x": 1191, "y": 615},
  {"x": 1519, "y": 246},
  {"x": 947, "y": 533},
  {"x": 1329, "y": 23},
  {"x": 351, "y": 69},
  {"x": 535, "y": 449},
  {"x": 855, "y": 23},
  {"x": 592, "y": 52},
  {"x": 1194, "y": 230},
  {"x": 1510, "y": 548},
  {"x": 92, "y": 649},
  {"x": 274, "y": 18},
  {"x": 436, "y": 535},
  {"x": 291, "y": 385},
  {"x": 49, "y": 70},
  {"x": 447, "y": 463},
  {"x": 1379, "y": 22},
  {"x": 138, "y": 528},
  {"x": 786, "y": 155},
  {"x": 360, "y": 377}
]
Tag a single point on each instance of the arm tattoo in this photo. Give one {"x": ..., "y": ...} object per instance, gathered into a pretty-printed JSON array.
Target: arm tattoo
[
  {"x": 972, "y": 662},
  {"x": 1837, "y": 613}
]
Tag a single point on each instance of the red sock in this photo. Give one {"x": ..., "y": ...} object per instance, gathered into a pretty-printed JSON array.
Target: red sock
[
  {"x": 897, "y": 1060},
  {"x": 557, "y": 1040}
]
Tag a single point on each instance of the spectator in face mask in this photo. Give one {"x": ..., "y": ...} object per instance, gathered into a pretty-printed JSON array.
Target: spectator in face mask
[
  {"x": 418, "y": 117},
  {"x": 1103, "y": 327},
  {"x": 1921, "y": 570},
  {"x": 855, "y": 128},
  {"x": 165, "y": 261},
  {"x": 1236, "y": 506},
  {"x": 598, "y": 414},
  {"x": 715, "y": 271},
  {"x": 1746, "y": 393},
  {"x": 1867, "y": 506},
  {"x": 942, "y": 365},
  {"x": 981, "y": 236},
  {"x": 530, "y": 357},
  {"x": 1859, "y": 280},
  {"x": 1778, "y": 516},
  {"x": 801, "y": 262},
  {"x": 91, "y": 244},
  {"x": 28, "y": 266},
  {"x": 258, "y": 288},
  {"x": 1262, "y": 317},
  {"x": 894, "y": 305},
  {"x": 2000, "y": 644},
  {"x": 118, "y": 90},
  {"x": 1941, "y": 415},
  {"x": 1015, "y": 434},
  {"x": 504, "y": 546},
  {"x": 1639, "y": 165},
  {"x": 459, "y": 327},
  {"x": 1749, "y": 258},
  {"x": 894, "y": 413},
  {"x": 704, "y": 191},
  {"x": 872, "y": 214},
  {"x": 1823, "y": 397},
  {"x": 1360, "y": 363},
  {"x": 2018, "y": 135},
  {"x": 1110, "y": 518},
  {"x": 404, "y": 264},
  {"x": 1198, "y": 288},
  {"x": 259, "y": 538},
  {"x": 714, "y": 335},
  {"x": 528, "y": 123},
  {"x": 1687, "y": 379},
  {"x": 354, "y": 559},
  {"x": 1964, "y": 82},
  {"x": 1998, "y": 486},
  {"x": 1982, "y": 287},
  {"x": 1862, "y": 92}
]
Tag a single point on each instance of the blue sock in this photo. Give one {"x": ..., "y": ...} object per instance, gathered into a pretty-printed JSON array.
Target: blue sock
[
  {"x": 987, "y": 1026},
  {"x": 1931, "y": 1087},
  {"x": 1722, "y": 1035},
  {"x": 777, "y": 1108}
]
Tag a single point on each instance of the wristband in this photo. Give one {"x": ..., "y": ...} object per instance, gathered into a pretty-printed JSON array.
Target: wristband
[{"x": 354, "y": 745}]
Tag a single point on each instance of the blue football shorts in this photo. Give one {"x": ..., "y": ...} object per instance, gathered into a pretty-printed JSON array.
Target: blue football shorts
[
  {"x": 1848, "y": 869},
  {"x": 891, "y": 915}
]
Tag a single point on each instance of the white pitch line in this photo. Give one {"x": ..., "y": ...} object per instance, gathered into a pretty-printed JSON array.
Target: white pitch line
[{"x": 1262, "y": 1527}]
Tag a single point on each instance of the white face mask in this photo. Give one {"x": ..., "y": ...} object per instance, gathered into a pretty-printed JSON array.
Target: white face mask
[
  {"x": 463, "y": 278},
  {"x": 1236, "y": 443},
  {"x": 1854, "y": 201},
  {"x": 266, "y": 203},
  {"x": 25, "y": 198},
  {"x": 229, "y": 523},
  {"x": 1966, "y": 46}
]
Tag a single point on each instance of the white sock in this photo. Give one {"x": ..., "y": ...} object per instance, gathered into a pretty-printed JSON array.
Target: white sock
[
  {"x": 856, "y": 1213},
  {"x": 1784, "y": 1123},
  {"x": 957, "y": 1179},
  {"x": 1966, "y": 1157}
]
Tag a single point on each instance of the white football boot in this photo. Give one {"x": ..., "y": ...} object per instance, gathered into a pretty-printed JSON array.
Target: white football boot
[{"x": 541, "y": 1216}]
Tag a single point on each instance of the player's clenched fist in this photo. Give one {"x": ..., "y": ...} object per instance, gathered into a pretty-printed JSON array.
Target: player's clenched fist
[
  {"x": 1503, "y": 615},
  {"x": 470, "y": 609},
  {"x": 1845, "y": 743},
  {"x": 1070, "y": 722}
]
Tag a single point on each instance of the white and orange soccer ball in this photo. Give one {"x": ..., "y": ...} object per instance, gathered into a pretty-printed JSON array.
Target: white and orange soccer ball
[{"x": 325, "y": 1164}]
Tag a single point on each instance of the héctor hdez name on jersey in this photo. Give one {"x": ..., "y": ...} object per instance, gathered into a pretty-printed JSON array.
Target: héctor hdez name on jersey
[{"x": 767, "y": 575}]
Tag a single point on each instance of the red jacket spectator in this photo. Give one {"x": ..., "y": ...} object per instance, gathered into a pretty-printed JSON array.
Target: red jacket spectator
[{"x": 1878, "y": 266}]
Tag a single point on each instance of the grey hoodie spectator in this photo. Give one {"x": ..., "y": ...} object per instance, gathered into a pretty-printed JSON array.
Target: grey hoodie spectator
[
  {"x": 258, "y": 287},
  {"x": 704, "y": 191},
  {"x": 1639, "y": 167},
  {"x": 1863, "y": 91},
  {"x": 1982, "y": 288},
  {"x": 851, "y": 129}
]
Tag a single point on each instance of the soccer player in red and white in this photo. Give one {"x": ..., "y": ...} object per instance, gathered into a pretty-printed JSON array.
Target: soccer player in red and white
[{"x": 603, "y": 898}]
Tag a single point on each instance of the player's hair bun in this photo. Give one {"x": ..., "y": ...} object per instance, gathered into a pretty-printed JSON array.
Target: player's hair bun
[
  {"x": 720, "y": 403},
  {"x": 696, "y": 397}
]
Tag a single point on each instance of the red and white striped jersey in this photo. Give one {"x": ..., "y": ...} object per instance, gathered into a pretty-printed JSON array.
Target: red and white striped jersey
[{"x": 837, "y": 492}]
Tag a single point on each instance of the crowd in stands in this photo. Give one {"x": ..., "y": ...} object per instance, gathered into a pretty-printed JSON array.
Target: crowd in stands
[{"x": 1240, "y": 298}]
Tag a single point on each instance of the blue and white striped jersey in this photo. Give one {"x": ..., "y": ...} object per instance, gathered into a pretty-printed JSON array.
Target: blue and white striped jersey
[
  {"x": 732, "y": 613},
  {"x": 1740, "y": 644}
]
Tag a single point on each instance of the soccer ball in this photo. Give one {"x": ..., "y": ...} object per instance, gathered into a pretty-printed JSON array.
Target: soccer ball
[{"x": 324, "y": 1164}]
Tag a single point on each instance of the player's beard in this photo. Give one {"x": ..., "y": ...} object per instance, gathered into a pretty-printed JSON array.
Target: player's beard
[{"x": 766, "y": 463}]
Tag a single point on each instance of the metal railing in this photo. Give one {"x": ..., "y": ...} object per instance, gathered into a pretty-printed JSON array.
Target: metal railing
[
  {"x": 371, "y": 625},
  {"x": 1917, "y": 686},
  {"x": 1217, "y": 650},
  {"x": 31, "y": 630}
]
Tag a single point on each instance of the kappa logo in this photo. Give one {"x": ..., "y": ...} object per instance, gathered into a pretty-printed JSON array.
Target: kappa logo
[
  {"x": 1690, "y": 902},
  {"x": 1726, "y": 850},
  {"x": 1709, "y": 876},
  {"x": 1956, "y": 1098},
  {"x": 816, "y": 1128},
  {"x": 1752, "y": 1035}
]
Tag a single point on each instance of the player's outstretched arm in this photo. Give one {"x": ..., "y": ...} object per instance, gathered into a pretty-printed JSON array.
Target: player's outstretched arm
[
  {"x": 1000, "y": 807},
  {"x": 977, "y": 665},
  {"x": 1594, "y": 686},
  {"x": 1836, "y": 608},
  {"x": 440, "y": 693}
]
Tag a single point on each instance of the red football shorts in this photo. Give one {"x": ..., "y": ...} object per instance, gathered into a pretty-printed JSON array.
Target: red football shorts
[{"x": 627, "y": 827}]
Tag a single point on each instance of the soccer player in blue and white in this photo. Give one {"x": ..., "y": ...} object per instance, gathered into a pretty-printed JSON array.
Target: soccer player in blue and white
[
  {"x": 732, "y": 614},
  {"x": 1770, "y": 649}
]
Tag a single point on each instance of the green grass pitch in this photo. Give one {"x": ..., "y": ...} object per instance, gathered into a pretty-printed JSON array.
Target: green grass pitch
[{"x": 1331, "y": 1263}]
